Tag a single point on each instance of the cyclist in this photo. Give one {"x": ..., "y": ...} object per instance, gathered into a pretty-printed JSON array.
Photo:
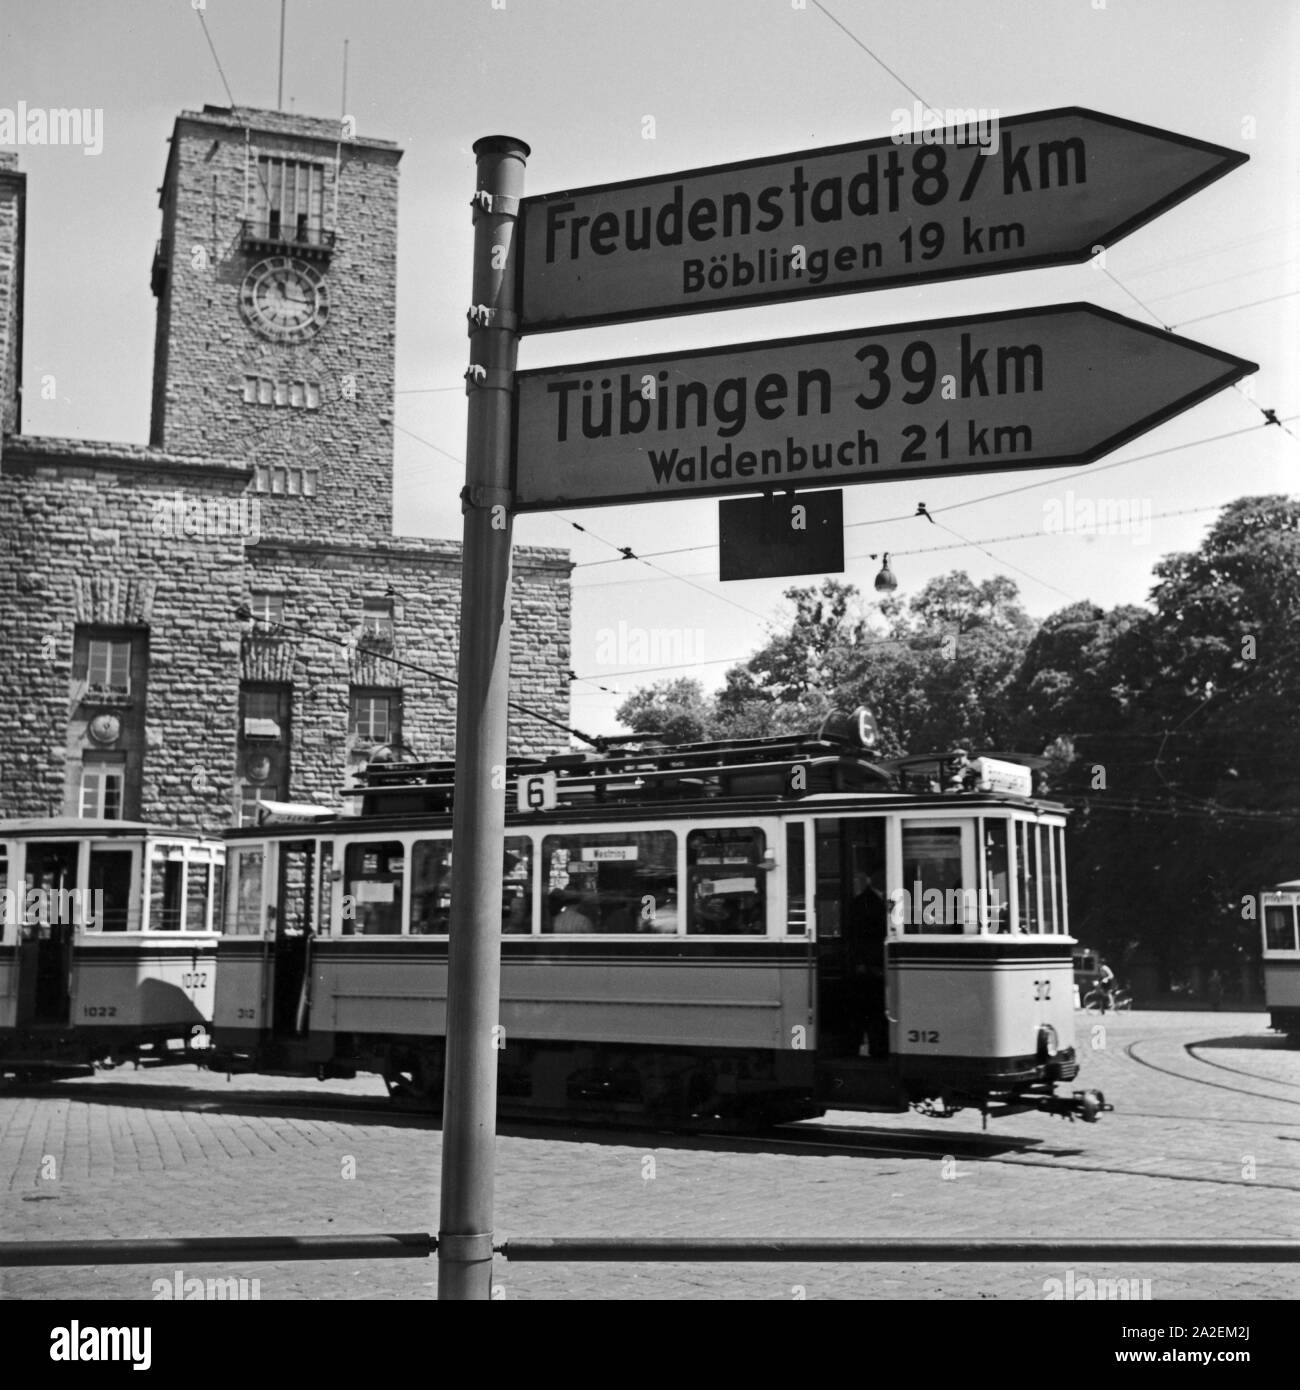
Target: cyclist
[{"x": 1105, "y": 985}]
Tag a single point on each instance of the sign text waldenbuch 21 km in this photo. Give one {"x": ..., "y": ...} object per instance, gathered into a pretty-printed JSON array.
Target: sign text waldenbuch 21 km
[{"x": 1030, "y": 388}]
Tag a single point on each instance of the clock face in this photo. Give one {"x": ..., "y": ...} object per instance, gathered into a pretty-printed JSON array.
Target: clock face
[{"x": 284, "y": 299}]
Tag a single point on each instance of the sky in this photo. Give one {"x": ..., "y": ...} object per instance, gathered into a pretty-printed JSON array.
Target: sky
[{"x": 722, "y": 81}]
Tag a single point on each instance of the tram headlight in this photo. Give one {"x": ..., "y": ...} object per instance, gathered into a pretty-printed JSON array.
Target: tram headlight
[{"x": 1047, "y": 1041}]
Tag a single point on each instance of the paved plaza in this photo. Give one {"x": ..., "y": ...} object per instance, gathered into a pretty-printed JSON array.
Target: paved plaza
[{"x": 1204, "y": 1142}]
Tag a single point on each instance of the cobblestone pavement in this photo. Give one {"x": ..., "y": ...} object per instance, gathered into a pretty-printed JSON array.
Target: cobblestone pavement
[{"x": 1204, "y": 1141}]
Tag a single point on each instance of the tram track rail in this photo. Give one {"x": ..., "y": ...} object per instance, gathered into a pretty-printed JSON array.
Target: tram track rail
[
  {"x": 1131, "y": 1053},
  {"x": 1194, "y": 1050}
]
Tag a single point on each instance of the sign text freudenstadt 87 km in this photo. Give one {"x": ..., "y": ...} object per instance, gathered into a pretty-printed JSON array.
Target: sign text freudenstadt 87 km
[
  {"x": 1031, "y": 388},
  {"x": 1049, "y": 188}
]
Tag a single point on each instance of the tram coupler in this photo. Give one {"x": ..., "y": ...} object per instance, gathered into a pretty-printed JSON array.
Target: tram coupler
[{"x": 1082, "y": 1105}]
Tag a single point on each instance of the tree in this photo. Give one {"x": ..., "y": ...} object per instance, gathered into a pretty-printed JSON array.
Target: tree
[{"x": 676, "y": 710}]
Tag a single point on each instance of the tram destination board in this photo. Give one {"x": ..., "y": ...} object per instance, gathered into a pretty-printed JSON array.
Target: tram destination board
[
  {"x": 1030, "y": 388},
  {"x": 1042, "y": 189}
]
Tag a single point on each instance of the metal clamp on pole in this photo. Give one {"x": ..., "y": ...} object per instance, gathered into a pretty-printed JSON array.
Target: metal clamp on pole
[
  {"x": 483, "y": 316},
  {"x": 476, "y": 497},
  {"x": 480, "y": 378},
  {"x": 498, "y": 204}
]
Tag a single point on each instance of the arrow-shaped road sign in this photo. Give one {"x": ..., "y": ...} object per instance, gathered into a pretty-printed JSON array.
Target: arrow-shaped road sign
[
  {"x": 1050, "y": 188},
  {"x": 1032, "y": 388}
]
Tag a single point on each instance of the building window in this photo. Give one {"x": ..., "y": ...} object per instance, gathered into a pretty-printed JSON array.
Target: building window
[
  {"x": 263, "y": 747},
  {"x": 289, "y": 200},
  {"x": 267, "y": 610},
  {"x": 377, "y": 618},
  {"x": 251, "y": 796},
  {"x": 264, "y": 712},
  {"x": 108, "y": 666},
  {"x": 373, "y": 715},
  {"x": 282, "y": 481},
  {"x": 101, "y": 791}
]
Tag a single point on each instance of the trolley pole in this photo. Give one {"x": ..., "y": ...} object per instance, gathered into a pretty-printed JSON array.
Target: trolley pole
[{"x": 478, "y": 819}]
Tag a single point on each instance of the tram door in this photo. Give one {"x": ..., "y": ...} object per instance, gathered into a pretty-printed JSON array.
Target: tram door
[
  {"x": 293, "y": 930},
  {"x": 45, "y": 949},
  {"x": 852, "y": 917}
]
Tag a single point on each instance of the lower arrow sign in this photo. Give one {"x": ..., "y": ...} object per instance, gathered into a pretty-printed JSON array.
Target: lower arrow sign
[{"x": 1032, "y": 388}]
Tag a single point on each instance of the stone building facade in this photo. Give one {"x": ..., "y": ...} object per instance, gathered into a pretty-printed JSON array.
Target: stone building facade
[{"x": 224, "y": 615}]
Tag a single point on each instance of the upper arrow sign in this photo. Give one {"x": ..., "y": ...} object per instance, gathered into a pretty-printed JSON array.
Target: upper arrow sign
[
  {"x": 1050, "y": 188},
  {"x": 1033, "y": 388}
]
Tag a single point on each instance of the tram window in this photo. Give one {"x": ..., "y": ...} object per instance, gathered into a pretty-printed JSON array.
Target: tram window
[
  {"x": 1280, "y": 928},
  {"x": 7, "y": 913},
  {"x": 1062, "y": 915},
  {"x": 325, "y": 889},
  {"x": 372, "y": 878},
  {"x": 244, "y": 904},
  {"x": 997, "y": 881},
  {"x": 935, "y": 898},
  {"x": 726, "y": 887},
  {"x": 110, "y": 876},
  {"x": 430, "y": 887},
  {"x": 796, "y": 882},
  {"x": 612, "y": 881},
  {"x": 165, "y": 892},
  {"x": 517, "y": 886},
  {"x": 1048, "y": 858},
  {"x": 196, "y": 895},
  {"x": 218, "y": 893},
  {"x": 1027, "y": 855}
]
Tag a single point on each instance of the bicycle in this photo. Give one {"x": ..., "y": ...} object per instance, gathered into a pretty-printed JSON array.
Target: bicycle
[{"x": 1098, "y": 1001}]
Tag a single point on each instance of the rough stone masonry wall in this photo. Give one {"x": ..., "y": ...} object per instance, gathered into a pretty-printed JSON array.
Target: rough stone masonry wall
[
  {"x": 210, "y": 349},
  {"x": 80, "y": 547},
  {"x": 77, "y": 546},
  {"x": 324, "y": 592}
]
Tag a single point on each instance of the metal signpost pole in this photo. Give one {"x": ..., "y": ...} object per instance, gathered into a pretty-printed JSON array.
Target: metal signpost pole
[{"x": 478, "y": 822}]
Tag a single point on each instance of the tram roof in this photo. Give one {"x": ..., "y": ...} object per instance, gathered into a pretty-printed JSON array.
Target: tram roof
[
  {"x": 96, "y": 826},
  {"x": 698, "y": 812}
]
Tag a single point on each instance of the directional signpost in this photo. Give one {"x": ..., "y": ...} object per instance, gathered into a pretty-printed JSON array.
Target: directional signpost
[
  {"x": 1028, "y": 389},
  {"x": 1051, "y": 188},
  {"x": 1033, "y": 388}
]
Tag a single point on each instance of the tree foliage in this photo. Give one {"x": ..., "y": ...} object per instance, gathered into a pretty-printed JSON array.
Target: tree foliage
[{"x": 1172, "y": 730}]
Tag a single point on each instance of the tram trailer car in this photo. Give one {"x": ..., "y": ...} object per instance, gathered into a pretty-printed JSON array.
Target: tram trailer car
[
  {"x": 108, "y": 937},
  {"x": 1282, "y": 956},
  {"x": 679, "y": 929}
]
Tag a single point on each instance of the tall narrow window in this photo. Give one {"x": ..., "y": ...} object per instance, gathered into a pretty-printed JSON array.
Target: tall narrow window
[
  {"x": 377, "y": 618},
  {"x": 289, "y": 200},
  {"x": 373, "y": 715},
  {"x": 268, "y": 611},
  {"x": 102, "y": 785},
  {"x": 108, "y": 666}
]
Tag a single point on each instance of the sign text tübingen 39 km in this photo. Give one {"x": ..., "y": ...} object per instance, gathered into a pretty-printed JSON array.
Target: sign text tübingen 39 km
[{"x": 1031, "y": 388}]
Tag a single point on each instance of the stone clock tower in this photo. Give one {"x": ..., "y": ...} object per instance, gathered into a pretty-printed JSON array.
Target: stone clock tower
[
  {"x": 224, "y": 616},
  {"x": 276, "y": 284}
]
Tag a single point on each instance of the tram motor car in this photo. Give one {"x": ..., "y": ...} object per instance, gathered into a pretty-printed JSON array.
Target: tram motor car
[
  {"x": 108, "y": 936},
  {"x": 683, "y": 935}
]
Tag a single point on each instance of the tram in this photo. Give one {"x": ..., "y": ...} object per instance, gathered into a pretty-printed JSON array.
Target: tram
[
  {"x": 108, "y": 936},
  {"x": 678, "y": 935},
  {"x": 1281, "y": 925}
]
